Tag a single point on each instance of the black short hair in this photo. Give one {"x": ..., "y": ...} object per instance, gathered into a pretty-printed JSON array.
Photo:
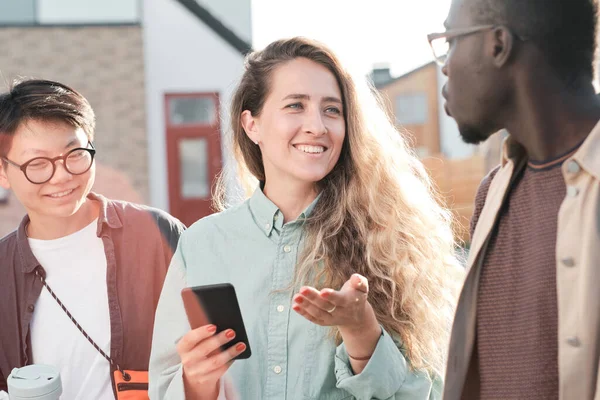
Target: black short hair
[
  {"x": 38, "y": 99},
  {"x": 564, "y": 30}
]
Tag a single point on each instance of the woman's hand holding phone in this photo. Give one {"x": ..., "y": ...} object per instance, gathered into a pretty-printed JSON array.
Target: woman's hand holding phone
[{"x": 204, "y": 363}]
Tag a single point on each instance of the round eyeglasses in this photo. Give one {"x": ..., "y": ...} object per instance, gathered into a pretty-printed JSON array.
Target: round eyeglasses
[{"x": 41, "y": 169}]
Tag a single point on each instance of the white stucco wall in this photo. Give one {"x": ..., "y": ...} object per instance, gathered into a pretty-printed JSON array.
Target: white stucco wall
[
  {"x": 234, "y": 14},
  {"x": 181, "y": 55}
]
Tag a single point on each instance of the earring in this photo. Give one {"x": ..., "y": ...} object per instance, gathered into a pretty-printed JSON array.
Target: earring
[{"x": 256, "y": 142}]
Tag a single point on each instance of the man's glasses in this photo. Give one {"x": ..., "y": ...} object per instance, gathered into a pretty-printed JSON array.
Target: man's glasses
[
  {"x": 440, "y": 42},
  {"x": 41, "y": 169}
]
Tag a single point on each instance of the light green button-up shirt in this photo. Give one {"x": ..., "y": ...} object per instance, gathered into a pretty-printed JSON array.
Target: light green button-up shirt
[{"x": 292, "y": 358}]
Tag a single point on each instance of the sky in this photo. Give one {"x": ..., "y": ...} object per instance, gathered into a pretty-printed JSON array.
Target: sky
[{"x": 362, "y": 33}]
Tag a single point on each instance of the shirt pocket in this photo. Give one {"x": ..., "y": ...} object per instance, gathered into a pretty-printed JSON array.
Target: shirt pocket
[{"x": 319, "y": 368}]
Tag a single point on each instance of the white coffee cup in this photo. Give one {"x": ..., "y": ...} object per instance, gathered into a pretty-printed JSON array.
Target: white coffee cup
[{"x": 34, "y": 382}]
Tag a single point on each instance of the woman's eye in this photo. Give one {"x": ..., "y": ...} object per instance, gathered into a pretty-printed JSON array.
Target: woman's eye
[{"x": 296, "y": 106}]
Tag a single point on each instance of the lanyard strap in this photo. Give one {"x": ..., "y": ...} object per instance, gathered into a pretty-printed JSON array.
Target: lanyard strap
[{"x": 126, "y": 376}]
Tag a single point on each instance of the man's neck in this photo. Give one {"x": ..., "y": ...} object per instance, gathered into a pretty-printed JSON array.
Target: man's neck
[
  {"x": 44, "y": 227},
  {"x": 291, "y": 200},
  {"x": 551, "y": 120}
]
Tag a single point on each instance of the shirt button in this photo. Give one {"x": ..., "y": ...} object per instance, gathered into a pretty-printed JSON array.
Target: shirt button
[
  {"x": 30, "y": 308},
  {"x": 277, "y": 369},
  {"x": 572, "y": 191},
  {"x": 267, "y": 226},
  {"x": 568, "y": 262},
  {"x": 287, "y": 249},
  {"x": 280, "y": 308},
  {"x": 573, "y": 167},
  {"x": 574, "y": 341}
]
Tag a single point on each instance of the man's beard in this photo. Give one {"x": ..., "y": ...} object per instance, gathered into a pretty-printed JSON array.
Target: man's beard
[{"x": 473, "y": 135}]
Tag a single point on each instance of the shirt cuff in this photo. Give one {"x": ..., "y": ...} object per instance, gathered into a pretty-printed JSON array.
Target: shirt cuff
[
  {"x": 226, "y": 389},
  {"x": 175, "y": 388},
  {"x": 381, "y": 378}
]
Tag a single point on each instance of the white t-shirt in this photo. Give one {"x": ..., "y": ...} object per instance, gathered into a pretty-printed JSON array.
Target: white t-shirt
[{"x": 75, "y": 268}]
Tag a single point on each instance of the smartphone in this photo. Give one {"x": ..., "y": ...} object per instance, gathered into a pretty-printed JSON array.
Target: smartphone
[{"x": 217, "y": 305}]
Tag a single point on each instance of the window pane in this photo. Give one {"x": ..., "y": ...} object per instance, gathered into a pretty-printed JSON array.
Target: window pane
[
  {"x": 411, "y": 108},
  {"x": 87, "y": 11},
  {"x": 17, "y": 12},
  {"x": 193, "y": 158},
  {"x": 192, "y": 110}
]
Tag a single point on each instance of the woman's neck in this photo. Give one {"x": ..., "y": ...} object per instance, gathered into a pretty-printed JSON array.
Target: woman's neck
[{"x": 291, "y": 200}]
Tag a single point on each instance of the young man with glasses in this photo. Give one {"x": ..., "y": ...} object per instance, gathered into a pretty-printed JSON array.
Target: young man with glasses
[
  {"x": 105, "y": 261},
  {"x": 527, "y": 324}
]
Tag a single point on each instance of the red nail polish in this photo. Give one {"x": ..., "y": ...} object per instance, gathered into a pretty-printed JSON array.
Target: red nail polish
[
  {"x": 230, "y": 334},
  {"x": 240, "y": 347},
  {"x": 299, "y": 300},
  {"x": 211, "y": 328}
]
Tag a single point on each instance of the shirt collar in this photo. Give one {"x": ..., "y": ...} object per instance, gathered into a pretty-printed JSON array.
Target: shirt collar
[
  {"x": 28, "y": 260},
  {"x": 268, "y": 216},
  {"x": 108, "y": 213},
  {"x": 108, "y": 217},
  {"x": 512, "y": 151},
  {"x": 587, "y": 155}
]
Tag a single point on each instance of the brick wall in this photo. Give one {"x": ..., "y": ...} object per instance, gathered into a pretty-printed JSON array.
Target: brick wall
[{"x": 105, "y": 64}]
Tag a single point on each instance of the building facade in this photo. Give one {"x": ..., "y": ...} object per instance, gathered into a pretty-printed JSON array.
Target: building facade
[{"x": 159, "y": 75}]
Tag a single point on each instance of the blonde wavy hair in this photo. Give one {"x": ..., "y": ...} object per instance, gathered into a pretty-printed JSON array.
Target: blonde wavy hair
[{"x": 377, "y": 215}]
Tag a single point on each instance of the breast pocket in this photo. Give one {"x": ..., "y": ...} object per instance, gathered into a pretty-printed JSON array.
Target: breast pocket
[{"x": 319, "y": 369}]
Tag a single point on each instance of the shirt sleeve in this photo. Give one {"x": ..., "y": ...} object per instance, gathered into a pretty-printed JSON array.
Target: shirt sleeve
[
  {"x": 170, "y": 325},
  {"x": 387, "y": 375}
]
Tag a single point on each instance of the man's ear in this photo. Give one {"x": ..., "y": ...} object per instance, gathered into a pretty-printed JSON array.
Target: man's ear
[
  {"x": 250, "y": 126},
  {"x": 502, "y": 45}
]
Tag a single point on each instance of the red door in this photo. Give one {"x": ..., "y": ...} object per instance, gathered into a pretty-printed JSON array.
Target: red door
[{"x": 193, "y": 153}]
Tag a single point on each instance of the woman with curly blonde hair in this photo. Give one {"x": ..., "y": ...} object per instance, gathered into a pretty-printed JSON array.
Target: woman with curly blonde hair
[{"x": 342, "y": 259}]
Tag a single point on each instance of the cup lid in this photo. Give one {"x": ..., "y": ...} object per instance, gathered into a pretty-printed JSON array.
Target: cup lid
[{"x": 34, "y": 381}]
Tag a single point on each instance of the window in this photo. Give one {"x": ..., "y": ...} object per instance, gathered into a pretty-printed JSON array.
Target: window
[
  {"x": 411, "y": 109},
  {"x": 192, "y": 110},
  {"x": 69, "y": 12},
  {"x": 17, "y": 12},
  {"x": 193, "y": 155}
]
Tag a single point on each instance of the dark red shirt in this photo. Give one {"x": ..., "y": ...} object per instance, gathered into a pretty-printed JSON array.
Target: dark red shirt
[{"x": 138, "y": 241}]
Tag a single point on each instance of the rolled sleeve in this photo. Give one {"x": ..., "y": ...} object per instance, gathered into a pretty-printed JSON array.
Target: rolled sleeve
[{"x": 386, "y": 376}]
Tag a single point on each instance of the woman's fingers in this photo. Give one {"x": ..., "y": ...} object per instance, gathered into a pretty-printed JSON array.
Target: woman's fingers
[
  {"x": 360, "y": 283},
  {"x": 314, "y": 296},
  {"x": 194, "y": 337},
  {"x": 217, "y": 363}
]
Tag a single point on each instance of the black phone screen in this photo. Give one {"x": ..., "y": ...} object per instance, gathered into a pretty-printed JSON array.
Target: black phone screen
[{"x": 217, "y": 305}]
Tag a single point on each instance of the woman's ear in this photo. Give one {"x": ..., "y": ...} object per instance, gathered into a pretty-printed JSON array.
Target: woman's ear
[{"x": 250, "y": 126}]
